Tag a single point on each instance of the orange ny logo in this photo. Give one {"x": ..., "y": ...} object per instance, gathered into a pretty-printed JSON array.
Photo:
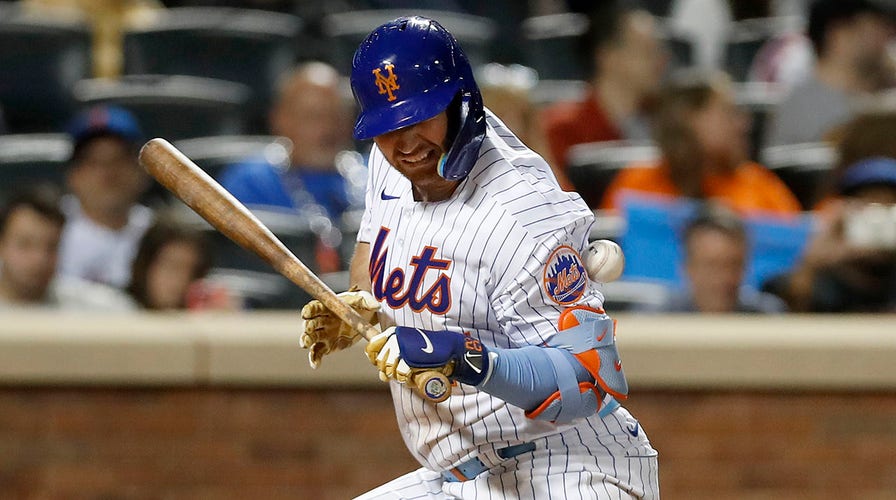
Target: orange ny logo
[{"x": 386, "y": 84}]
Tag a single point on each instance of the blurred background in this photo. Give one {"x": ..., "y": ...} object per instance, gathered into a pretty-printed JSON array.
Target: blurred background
[{"x": 742, "y": 153}]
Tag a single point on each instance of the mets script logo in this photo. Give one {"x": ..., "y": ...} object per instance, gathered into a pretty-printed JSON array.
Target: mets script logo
[
  {"x": 398, "y": 291},
  {"x": 565, "y": 278},
  {"x": 387, "y": 83}
]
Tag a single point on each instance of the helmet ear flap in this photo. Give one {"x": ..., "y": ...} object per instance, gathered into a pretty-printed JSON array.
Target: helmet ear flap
[{"x": 466, "y": 130}]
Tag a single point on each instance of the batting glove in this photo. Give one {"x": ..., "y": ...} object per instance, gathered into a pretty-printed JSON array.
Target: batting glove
[
  {"x": 399, "y": 352},
  {"x": 325, "y": 332}
]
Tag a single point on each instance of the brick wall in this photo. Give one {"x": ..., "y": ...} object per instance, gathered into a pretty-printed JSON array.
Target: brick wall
[{"x": 219, "y": 443}]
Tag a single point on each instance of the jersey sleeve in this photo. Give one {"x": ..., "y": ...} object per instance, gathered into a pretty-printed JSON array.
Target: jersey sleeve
[{"x": 553, "y": 279}]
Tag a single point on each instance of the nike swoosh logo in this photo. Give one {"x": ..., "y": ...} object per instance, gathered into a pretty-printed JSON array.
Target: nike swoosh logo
[
  {"x": 467, "y": 356},
  {"x": 602, "y": 335},
  {"x": 618, "y": 365},
  {"x": 387, "y": 197},
  {"x": 633, "y": 430},
  {"x": 428, "y": 347}
]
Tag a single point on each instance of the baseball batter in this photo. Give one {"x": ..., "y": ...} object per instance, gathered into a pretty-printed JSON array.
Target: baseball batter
[{"x": 469, "y": 258}]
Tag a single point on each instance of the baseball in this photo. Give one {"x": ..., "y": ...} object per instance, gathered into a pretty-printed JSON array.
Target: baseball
[{"x": 604, "y": 261}]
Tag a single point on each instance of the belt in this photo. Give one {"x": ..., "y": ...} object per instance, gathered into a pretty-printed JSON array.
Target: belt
[{"x": 475, "y": 466}]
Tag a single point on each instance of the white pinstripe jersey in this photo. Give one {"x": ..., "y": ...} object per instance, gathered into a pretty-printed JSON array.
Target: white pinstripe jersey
[{"x": 474, "y": 263}]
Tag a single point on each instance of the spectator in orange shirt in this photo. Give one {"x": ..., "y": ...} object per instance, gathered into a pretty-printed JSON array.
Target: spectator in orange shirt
[
  {"x": 628, "y": 62},
  {"x": 703, "y": 141}
]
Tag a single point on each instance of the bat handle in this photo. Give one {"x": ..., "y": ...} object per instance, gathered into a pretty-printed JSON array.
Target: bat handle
[{"x": 432, "y": 384}]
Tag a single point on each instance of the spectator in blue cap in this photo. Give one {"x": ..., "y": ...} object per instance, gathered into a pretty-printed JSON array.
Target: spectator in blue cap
[
  {"x": 104, "y": 219},
  {"x": 850, "y": 264}
]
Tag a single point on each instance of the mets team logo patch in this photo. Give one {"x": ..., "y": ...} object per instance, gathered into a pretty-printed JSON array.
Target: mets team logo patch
[
  {"x": 565, "y": 278},
  {"x": 388, "y": 83}
]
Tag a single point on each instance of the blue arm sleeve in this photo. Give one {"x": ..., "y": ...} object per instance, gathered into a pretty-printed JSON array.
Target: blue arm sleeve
[{"x": 526, "y": 377}]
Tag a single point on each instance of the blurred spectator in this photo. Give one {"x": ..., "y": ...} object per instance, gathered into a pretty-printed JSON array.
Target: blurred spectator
[
  {"x": 850, "y": 264},
  {"x": 703, "y": 140},
  {"x": 108, "y": 18},
  {"x": 310, "y": 111},
  {"x": 168, "y": 271},
  {"x": 785, "y": 61},
  {"x": 850, "y": 39},
  {"x": 706, "y": 23},
  {"x": 104, "y": 220},
  {"x": 506, "y": 91},
  {"x": 628, "y": 62},
  {"x": 30, "y": 229},
  {"x": 716, "y": 249}
]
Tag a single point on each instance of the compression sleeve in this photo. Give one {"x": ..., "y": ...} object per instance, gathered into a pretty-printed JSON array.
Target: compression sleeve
[{"x": 526, "y": 377}]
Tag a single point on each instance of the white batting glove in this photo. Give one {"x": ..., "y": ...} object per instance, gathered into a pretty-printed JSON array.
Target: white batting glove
[
  {"x": 383, "y": 352},
  {"x": 324, "y": 332}
]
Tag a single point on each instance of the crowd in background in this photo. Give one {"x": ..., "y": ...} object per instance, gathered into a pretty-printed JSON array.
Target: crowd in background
[{"x": 721, "y": 231}]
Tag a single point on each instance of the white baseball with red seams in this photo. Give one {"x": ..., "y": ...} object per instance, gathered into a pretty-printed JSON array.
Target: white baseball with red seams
[{"x": 604, "y": 261}]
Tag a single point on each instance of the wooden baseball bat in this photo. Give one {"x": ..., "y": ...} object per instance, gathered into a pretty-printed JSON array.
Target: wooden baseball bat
[{"x": 206, "y": 197}]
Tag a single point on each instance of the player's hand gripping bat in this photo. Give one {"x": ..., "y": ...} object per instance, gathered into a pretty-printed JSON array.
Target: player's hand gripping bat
[{"x": 216, "y": 205}]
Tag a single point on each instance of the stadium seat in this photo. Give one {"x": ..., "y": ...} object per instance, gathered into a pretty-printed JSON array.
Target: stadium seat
[
  {"x": 554, "y": 45},
  {"x": 633, "y": 296},
  {"x": 214, "y": 154},
  {"x": 259, "y": 289},
  {"x": 679, "y": 46},
  {"x": 759, "y": 100},
  {"x": 251, "y": 47},
  {"x": 173, "y": 107},
  {"x": 40, "y": 60},
  {"x": 27, "y": 159},
  {"x": 592, "y": 166},
  {"x": 348, "y": 29},
  {"x": 547, "y": 92},
  {"x": 803, "y": 167},
  {"x": 298, "y": 231},
  {"x": 745, "y": 39}
]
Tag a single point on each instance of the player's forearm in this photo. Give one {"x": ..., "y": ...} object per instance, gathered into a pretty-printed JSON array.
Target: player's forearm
[
  {"x": 526, "y": 377},
  {"x": 359, "y": 275}
]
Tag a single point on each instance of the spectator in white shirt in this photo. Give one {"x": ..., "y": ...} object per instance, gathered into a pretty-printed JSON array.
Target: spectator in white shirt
[{"x": 104, "y": 219}]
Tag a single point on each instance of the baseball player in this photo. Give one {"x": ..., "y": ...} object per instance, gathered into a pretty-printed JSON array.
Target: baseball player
[{"x": 469, "y": 259}]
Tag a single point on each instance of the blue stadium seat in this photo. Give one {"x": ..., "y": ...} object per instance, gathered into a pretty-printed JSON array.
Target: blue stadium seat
[
  {"x": 214, "y": 154},
  {"x": 554, "y": 45},
  {"x": 251, "y": 47},
  {"x": 173, "y": 107},
  {"x": 592, "y": 166},
  {"x": 653, "y": 247},
  {"x": 348, "y": 29},
  {"x": 803, "y": 167},
  {"x": 40, "y": 60},
  {"x": 27, "y": 159}
]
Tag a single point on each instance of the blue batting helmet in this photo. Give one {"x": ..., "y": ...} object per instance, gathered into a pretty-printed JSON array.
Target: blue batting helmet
[{"x": 410, "y": 70}]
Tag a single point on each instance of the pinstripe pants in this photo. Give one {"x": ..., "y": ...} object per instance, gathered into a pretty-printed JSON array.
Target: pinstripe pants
[{"x": 601, "y": 458}]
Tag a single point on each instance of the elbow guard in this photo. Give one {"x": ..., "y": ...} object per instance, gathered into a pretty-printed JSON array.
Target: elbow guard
[{"x": 586, "y": 340}]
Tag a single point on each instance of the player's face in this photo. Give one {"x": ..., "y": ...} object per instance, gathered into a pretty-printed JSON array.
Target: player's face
[
  {"x": 28, "y": 248},
  {"x": 415, "y": 151}
]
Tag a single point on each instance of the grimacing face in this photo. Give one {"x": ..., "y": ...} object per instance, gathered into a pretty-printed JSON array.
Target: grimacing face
[{"x": 415, "y": 152}]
